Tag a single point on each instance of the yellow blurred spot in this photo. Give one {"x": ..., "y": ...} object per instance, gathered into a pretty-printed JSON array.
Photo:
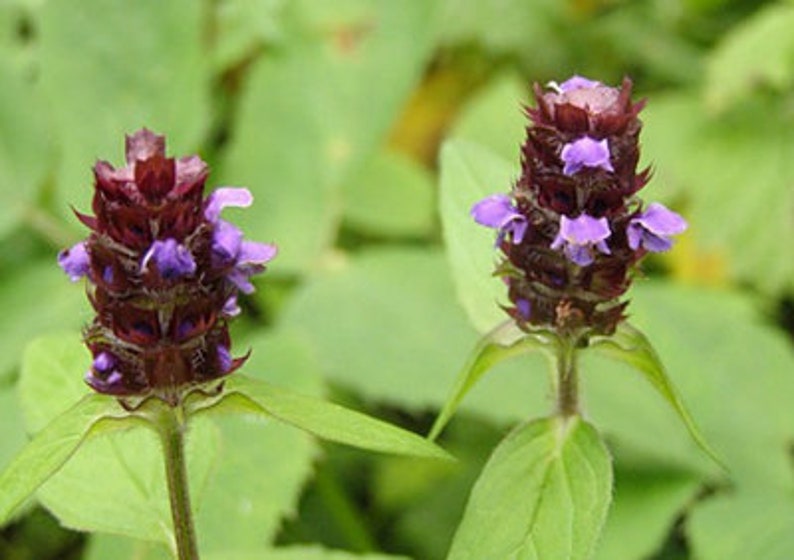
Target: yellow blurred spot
[
  {"x": 693, "y": 264},
  {"x": 338, "y": 150}
]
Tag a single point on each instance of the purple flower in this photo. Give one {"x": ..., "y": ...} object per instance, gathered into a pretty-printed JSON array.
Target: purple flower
[
  {"x": 224, "y": 358},
  {"x": 524, "y": 308},
  {"x": 226, "y": 242},
  {"x": 577, "y": 238},
  {"x": 245, "y": 257},
  {"x": 230, "y": 307},
  {"x": 652, "y": 228},
  {"x": 75, "y": 262},
  {"x": 585, "y": 152},
  {"x": 224, "y": 197},
  {"x": 172, "y": 259},
  {"x": 497, "y": 211},
  {"x": 103, "y": 376},
  {"x": 574, "y": 83}
]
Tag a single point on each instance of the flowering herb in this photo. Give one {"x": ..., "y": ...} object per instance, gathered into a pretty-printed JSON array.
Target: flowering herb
[
  {"x": 164, "y": 272},
  {"x": 573, "y": 227}
]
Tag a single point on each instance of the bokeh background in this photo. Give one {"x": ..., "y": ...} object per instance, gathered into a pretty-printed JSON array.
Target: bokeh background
[{"x": 334, "y": 114}]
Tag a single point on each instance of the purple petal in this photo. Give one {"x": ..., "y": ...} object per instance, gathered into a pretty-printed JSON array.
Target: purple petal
[
  {"x": 577, "y": 237},
  {"x": 497, "y": 211},
  {"x": 224, "y": 197},
  {"x": 577, "y": 82},
  {"x": 104, "y": 362},
  {"x": 240, "y": 279},
  {"x": 585, "y": 152},
  {"x": 224, "y": 358},
  {"x": 652, "y": 228},
  {"x": 661, "y": 221},
  {"x": 524, "y": 308},
  {"x": 584, "y": 229},
  {"x": 230, "y": 307},
  {"x": 75, "y": 261},
  {"x": 226, "y": 242},
  {"x": 172, "y": 259},
  {"x": 493, "y": 211},
  {"x": 252, "y": 252}
]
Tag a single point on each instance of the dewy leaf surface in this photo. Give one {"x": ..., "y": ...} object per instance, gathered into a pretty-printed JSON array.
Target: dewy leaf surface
[{"x": 544, "y": 494}]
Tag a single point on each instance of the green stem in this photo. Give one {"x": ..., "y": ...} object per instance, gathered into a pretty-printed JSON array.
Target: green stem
[
  {"x": 172, "y": 433},
  {"x": 567, "y": 379}
]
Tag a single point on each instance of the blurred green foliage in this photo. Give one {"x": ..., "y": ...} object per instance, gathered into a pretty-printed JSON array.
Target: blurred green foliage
[{"x": 333, "y": 114}]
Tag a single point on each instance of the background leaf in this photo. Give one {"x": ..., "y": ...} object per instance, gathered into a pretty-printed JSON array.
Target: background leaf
[{"x": 544, "y": 493}]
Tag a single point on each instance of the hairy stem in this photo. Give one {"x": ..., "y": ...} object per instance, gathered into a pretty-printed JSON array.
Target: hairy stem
[
  {"x": 567, "y": 379},
  {"x": 172, "y": 433}
]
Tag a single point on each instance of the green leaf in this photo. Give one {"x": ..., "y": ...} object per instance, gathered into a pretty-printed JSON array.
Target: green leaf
[
  {"x": 26, "y": 314},
  {"x": 544, "y": 493},
  {"x": 52, "y": 447},
  {"x": 743, "y": 525},
  {"x": 97, "y": 87},
  {"x": 630, "y": 346},
  {"x": 469, "y": 173},
  {"x": 243, "y": 27},
  {"x": 759, "y": 51},
  {"x": 115, "y": 484},
  {"x": 505, "y": 341},
  {"x": 323, "y": 419},
  {"x": 494, "y": 117},
  {"x": 709, "y": 160},
  {"x": 308, "y": 95},
  {"x": 24, "y": 150},
  {"x": 300, "y": 553},
  {"x": 391, "y": 195},
  {"x": 646, "y": 505},
  {"x": 264, "y": 466},
  {"x": 387, "y": 324}
]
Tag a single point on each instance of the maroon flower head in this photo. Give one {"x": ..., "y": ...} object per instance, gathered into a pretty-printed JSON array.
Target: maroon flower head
[
  {"x": 573, "y": 228},
  {"x": 164, "y": 271}
]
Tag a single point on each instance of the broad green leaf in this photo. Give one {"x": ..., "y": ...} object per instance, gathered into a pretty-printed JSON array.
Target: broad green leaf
[
  {"x": 495, "y": 118},
  {"x": 103, "y": 547},
  {"x": 300, "y": 553},
  {"x": 115, "y": 484},
  {"x": 27, "y": 314},
  {"x": 544, "y": 493},
  {"x": 710, "y": 160},
  {"x": 264, "y": 465},
  {"x": 301, "y": 130},
  {"x": 54, "y": 445},
  {"x": 742, "y": 526},
  {"x": 757, "y": 52},
  {"x": 646, "y": 506},
  {"x": 243, "y": 27},
  {"x": 733, "y": 371},
  {"x": 322, "y": 418},
  {"x": 98, "y": 87},
  {"x": 390, "y": 195},
  {"x": 631, "y": 346},
  {"x": 13, "y": 431},
  {"x": 24, "y": 149},
  {"x": 469, "y": 173},
  {"x": 387, "y": 324},
  {"x": 505, "y": 341}
]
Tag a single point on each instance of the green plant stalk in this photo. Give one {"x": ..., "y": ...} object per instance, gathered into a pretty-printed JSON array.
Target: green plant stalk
[
  {"x": 172, "y": 428},
  {"x": 567, "y": 379}
]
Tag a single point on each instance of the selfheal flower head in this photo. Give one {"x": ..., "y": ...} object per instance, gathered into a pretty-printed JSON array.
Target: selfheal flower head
[
  {"x": 575, "y": 228},
  {"x": 164, "y": 273}
]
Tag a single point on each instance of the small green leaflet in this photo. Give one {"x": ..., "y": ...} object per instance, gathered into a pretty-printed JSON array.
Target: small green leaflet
[
  {"x": 45, "y": 455},
  {"x": 630, "y": 346},
  {"x": 503, "y": 342},
  {"x": 543, "y": 494},
  {"x": 324, "y": 419}
]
